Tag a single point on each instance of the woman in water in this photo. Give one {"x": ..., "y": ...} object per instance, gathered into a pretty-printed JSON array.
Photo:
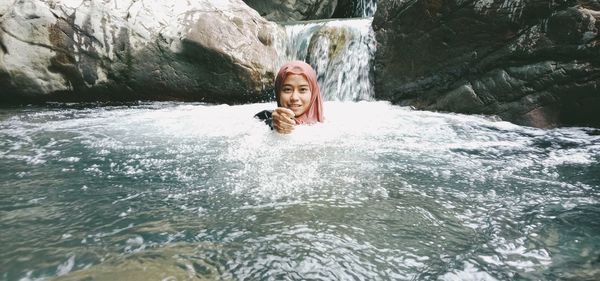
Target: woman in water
[{"x": 298, "y": 98}]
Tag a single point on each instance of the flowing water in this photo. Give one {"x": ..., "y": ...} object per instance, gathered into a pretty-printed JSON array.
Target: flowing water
[
  {"x": 173, "y": 191},
  {"x": 340, "y": 51},
  {"x": 365, "y": 8}
]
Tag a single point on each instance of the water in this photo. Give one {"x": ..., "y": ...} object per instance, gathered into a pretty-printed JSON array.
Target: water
[
  {"x": 365, "y": 8},
  {"x": 167, "y": 191},
  {"x": 340, "y": 51}
]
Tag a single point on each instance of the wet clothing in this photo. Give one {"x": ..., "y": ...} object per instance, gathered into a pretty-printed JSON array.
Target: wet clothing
[{"x": 265, "y": 116}]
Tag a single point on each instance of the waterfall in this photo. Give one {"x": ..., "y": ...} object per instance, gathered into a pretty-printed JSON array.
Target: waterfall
[
  {"x": 340, "y": 51},
  {"x": 365, "y": 8}
]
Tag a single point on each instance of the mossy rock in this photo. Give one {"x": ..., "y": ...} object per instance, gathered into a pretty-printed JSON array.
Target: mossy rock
[{"x": 337, "y": 38}]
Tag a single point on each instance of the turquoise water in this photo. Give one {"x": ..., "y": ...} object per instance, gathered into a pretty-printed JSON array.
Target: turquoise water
[{"x": 173, "y": 191}]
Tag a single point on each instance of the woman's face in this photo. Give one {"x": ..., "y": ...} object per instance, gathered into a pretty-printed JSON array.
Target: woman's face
[{"x": 295, "y": 94}]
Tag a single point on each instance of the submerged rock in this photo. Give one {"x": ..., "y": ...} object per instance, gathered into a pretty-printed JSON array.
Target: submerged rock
[
  {"x": 294, "y": 10},
  {"x": 535, "y": 63},
  {"x": 207, "y": 50}
]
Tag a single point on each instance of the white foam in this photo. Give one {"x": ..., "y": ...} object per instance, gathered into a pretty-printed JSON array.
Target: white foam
[
  {"x": 226, "y": 144},
  {"x": 470, "y": 272},
  {"x": 65, "y": 267}
]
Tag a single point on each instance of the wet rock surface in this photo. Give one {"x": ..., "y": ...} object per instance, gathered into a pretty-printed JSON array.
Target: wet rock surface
[
  {"x": 213, "y": 51},
  {"x": 535, "y": 63}
]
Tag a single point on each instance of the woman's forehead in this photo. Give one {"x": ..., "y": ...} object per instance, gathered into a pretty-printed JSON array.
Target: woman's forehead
[{"x": 295, "y": 78}]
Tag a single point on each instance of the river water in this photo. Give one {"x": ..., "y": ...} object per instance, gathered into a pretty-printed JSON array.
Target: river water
[{"x": 174, "y": 191}]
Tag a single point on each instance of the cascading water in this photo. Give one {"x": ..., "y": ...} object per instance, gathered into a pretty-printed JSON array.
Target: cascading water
[
  {"x": 365, "y": 8},
  {"x": 341, "y": 52}
]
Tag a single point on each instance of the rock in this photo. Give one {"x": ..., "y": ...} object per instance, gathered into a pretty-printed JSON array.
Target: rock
[
  {"x": 336, "y": 39},
  {"x": 532, "y": 62},
  {"x": 78, "y": 50},
  {"x": 293, "y": 10}
]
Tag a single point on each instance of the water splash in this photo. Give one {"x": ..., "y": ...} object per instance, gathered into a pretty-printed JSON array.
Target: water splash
[{"x": 388, "y": 192}]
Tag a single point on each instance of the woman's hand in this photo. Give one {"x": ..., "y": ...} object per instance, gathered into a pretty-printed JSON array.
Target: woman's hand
[{"x": 283, "y": 120}]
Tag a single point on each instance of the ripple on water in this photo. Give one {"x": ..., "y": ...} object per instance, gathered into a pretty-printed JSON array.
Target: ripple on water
[{"x": 377, "y": 192}]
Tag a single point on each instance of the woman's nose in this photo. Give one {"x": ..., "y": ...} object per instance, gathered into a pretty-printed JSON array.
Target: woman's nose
[{"x": 295, "y": 95}]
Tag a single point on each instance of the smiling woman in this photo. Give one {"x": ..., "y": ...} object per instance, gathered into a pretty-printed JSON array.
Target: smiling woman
[
  {"x": 295, "y": 94},
  {"x": 299, "y": 98}
]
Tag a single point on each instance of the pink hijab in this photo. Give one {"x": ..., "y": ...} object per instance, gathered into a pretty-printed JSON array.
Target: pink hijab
[{"x": 314, "y": 113}]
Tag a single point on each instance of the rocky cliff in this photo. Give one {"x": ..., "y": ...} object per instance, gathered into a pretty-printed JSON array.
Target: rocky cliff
[
  {"x": 532, "y": 62},
  {"x": 77, "y": 50}
]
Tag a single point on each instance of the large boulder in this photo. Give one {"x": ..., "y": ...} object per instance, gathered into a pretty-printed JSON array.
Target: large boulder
[
  {"x": 77, "y": 50},
  {"x": 293, "y": 10},
  {"x": 532, "y": 62}
]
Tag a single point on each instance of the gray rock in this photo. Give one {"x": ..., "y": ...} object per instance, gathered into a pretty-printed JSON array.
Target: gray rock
[
  {"x": 207, "y": 50},
  {"x": 530, "y": 62},
  {"x": 293, "y": 10}
]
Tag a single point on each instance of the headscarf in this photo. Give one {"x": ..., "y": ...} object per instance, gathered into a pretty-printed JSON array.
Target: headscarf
[{"x": 314, "y": 113}]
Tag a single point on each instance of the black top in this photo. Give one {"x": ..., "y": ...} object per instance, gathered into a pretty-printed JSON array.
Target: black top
[{"x": 265, "y": 116}]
